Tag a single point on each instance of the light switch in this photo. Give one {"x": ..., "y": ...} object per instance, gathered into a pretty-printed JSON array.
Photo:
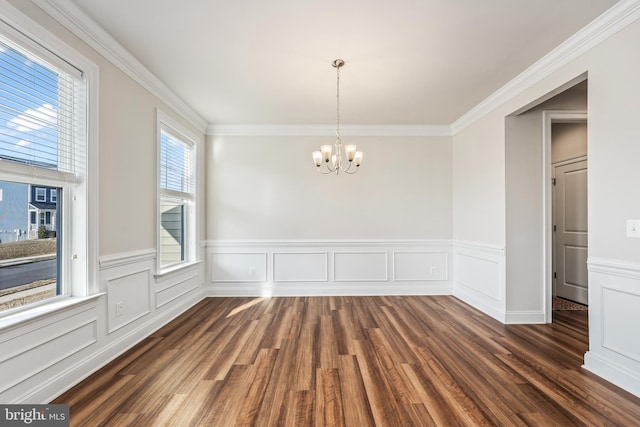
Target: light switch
[{"x": 633, "y": 228}]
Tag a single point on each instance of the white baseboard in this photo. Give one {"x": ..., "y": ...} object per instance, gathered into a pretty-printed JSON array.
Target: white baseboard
[
  {"x": 613, "y": 372},
  {"x": 525, "y": 317}
]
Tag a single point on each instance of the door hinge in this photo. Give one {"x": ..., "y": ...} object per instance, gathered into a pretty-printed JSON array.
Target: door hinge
[
  {"x": 554, "y": 228},
  {"x": 553, "y": 181},
  {"x": 555, "y": 275}
]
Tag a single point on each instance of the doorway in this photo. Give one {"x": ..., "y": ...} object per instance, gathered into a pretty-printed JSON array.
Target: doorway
[
  {"x": 566, "y": 189},
  {"x": 569, "y": 211}
]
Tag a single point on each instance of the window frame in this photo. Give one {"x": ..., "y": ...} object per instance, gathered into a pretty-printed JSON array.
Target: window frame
[
  {"x": 190, "y": 203},
  {"x": 39, "y": 190},
  {"x": 77, "y": 274},
  {"x": 53, "y": 195}
]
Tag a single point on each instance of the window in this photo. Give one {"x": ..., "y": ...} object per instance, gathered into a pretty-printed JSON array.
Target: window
[
  {"x": 41, "y": 195},
  {"x": 176, "y": 218},
  {"x": 44, "y": 146}
]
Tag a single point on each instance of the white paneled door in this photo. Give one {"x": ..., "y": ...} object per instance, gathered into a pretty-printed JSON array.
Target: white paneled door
[{"x": 570, "y": 226}]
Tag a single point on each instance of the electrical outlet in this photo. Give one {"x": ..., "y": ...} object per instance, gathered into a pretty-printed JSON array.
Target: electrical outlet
[
  {"x": 252, "y": 271},
  {"x": 633, "y": 228},
  {"x": 119, "y": 308},
  {"x": 433, "y": 271}
]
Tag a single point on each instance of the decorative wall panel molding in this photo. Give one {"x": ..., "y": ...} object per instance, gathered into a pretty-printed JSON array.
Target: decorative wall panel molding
[
  {"x": 176, "y": 289},
  {"x": 614, "y": 297},
  {"x": 27, "y": 355},
  {"x": 128, "y": 297},
  {"x": 424, "y": 265},
  {"x": 360, "y": 267},
  {"x": 480, "y": 277},
  {"x": 300, "y": 266},
  {"x": 329, "y": 267},
  {"x": 238, "y": 266}
]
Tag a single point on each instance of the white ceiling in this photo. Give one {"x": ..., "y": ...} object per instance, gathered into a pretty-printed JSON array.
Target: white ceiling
[{"x": 408, "y": 62}]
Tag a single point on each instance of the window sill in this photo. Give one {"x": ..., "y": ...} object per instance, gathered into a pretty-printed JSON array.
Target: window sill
[
  {"x": 175, "y": 269},
  {"x": 32, "y": 314}
]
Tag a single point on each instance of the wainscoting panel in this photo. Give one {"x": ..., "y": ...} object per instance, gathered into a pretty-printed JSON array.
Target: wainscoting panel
[
  {"x": 43, "y": 356},
  {"x": 300, "y": 267},
  {"x": 614, "y": 298},
  {"x": 29, "y": 353},
  {"x": 416, "y": 266},
  {"x": 359, "y": 267},
  {"x": 620, "y": 310},
  {"x": 127, "y": 298},
  {"x": 238, "y": 267},
  {"x": 169, "y": 291},
  {"x": 480, "y": 277}
]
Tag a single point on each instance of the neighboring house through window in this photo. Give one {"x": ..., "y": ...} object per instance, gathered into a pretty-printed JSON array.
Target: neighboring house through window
[{"x": 176, "y": 187}]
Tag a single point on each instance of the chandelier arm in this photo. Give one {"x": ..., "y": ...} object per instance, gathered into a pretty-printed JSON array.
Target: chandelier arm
[
  {"x": 349, "y": 168},
  {"x": 329, "y": 171}
]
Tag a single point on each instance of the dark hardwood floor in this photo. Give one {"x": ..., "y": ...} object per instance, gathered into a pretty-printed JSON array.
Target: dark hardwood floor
[{"x": 355, "y": 361}]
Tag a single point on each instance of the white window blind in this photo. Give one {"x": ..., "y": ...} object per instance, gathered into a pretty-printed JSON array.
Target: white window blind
[
  {"x": 39, "y": 124},
  {"x": 176, "y": 175}
]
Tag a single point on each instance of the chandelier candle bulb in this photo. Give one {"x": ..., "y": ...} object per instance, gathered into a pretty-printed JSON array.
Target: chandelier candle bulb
[
  {"x": 326, "y": 152},
  {"x": 317, "y": 158},
  {"x": 357, "y": 158},
  {"x": 350, "y": 150}
]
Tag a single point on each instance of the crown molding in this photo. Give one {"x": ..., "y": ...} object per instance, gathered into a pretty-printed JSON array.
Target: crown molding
[
  {"x": 80, "y": 24},
  {"x": 328, "y": 130},
  {"x": 610, "y": 22}
]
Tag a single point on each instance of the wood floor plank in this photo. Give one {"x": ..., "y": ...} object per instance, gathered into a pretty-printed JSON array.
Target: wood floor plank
[{"x": 352, "y": 361}]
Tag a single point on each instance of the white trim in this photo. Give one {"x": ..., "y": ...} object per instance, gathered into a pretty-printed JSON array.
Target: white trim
[
  {"x": 548, "y": 118},
  {"x": 80, "y": 24},
  {"x": 484, "y": 247},
  {"x": 328, "y": 130},
  {"x": 314, "y": 243},
  {"x": 386, "y": 265},
  {"x": 23, "y": 318},
  {"x": 610, "y": 22},
  {"x": 525, "y": 317},
  {"x": 613, "y": 267},
  {"x": 613, "y": 372},
  {"x": 124, "y": 258}
]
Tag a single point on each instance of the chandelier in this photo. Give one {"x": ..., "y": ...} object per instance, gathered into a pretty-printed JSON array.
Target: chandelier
[{"x": 333, "y": 157}]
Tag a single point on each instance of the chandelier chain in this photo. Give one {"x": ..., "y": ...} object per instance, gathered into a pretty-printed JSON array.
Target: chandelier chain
[{"x": 338, "y": 103}]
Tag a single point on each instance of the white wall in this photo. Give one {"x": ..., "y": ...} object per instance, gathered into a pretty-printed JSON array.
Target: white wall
[
  {"x": 267, "y": 188},
  {"x": 614, "y": 278},
  {"x": 42, "y": 355},
  {"x": 277, "y": 227}
]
